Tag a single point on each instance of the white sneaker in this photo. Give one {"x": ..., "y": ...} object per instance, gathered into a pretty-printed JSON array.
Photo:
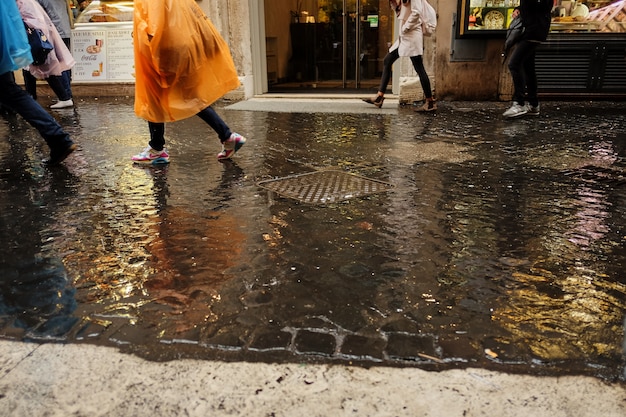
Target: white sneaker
[
  {"x": 516, "y": 110},
  {"x": 533, "y": 110},
  {"x": 63, "y": 104}
]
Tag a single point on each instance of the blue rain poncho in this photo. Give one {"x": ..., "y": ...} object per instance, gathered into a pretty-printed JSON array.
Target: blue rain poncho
[{"x": 14, "y": 47}]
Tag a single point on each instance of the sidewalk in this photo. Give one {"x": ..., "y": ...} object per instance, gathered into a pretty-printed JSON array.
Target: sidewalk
[
  {"x": 74, "y": 380},
  {"x": 468, "y": 179}
]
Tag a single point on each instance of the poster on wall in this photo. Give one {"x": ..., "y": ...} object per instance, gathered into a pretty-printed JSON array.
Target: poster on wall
[{"x": 103, "y": 54}]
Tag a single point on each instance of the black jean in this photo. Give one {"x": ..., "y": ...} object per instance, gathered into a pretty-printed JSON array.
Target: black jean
[
  {"x": 418, "y": 64},
  {"x": 15, "y": 98},
  {"x": 522, "y": 68},
  {"x": 157, "y": 130}
]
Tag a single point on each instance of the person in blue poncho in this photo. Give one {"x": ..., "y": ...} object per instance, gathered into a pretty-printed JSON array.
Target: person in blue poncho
[{"x": 15, "y": 54}]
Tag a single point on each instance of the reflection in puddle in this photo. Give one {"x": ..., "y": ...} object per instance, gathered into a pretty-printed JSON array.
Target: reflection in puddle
[{"x": 500, "y": 245}]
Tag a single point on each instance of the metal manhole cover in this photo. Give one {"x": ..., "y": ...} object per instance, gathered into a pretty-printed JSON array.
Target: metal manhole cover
[{"x": 321, "y": 187}]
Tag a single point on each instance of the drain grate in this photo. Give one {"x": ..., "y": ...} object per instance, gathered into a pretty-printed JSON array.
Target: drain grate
[{"x": 322, "y": 187}]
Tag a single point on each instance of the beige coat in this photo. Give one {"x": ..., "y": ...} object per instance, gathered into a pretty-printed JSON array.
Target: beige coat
[
  {"x": 60, "y": 59},
  {"x": 410, "y": 40}
]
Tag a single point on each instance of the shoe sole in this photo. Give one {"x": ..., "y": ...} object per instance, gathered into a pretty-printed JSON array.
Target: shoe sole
[
  {"x": 513, "y": 116},
  {"x": 67, "y": 152}
]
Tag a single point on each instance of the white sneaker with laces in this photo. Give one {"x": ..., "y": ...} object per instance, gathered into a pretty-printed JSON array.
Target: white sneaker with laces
[
  {"x": 231, "y": 145},
  {"x": 63, "y": 104},
  {"x": 516, "y": 110},
  {"x": 150, "y": 156}
]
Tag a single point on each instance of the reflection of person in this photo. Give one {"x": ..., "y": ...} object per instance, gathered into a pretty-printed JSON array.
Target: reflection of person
[
  {"x": 182, "y": 66},
  {"x": 58, "y": 12},
  {"x": 535, "y": 15},
  {"x": 410, "y": 43},
  {"x": 15, "y": 53},
  {"x": 56, "y": 68}
]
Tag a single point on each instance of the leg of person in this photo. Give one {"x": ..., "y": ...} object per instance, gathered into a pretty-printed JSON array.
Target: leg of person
[
  {"x": 388, "y": 61},
  {"x": 231, "y": 141},
  {"x": 516, "y": 68},
  {"x": 15, "y": 98},
  {"x": 58, "y": 85},
  {"x": 155, "y": 153},
  {"x": 530, "y": 74},
  {"x": 418, "y": 64},
  {"x": 30, "y": 83}
]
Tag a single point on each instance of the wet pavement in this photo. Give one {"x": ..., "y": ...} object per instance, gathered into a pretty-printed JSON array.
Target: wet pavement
[{"x": 497, "y": 244}]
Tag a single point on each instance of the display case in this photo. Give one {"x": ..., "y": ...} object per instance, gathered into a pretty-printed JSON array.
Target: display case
[
  {"x": 102, "y": 43},
  {"x": 485, "y": 17},
  {"x": 491, "y": 18}
]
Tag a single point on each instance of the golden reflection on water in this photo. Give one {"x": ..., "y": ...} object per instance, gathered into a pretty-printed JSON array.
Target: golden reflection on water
[{"x": 566, "y": 301}]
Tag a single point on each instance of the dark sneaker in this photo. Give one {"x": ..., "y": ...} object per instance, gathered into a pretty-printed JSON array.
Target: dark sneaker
[
  {"x": 532, "y": 110},
  {"x": 151, "y": 157},
  {"x": 56, "y": 157},
  {"x": 231, "y": 146}
]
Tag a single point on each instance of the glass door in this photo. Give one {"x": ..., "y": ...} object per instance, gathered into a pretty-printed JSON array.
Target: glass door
[{"x": 339, "y": 47}]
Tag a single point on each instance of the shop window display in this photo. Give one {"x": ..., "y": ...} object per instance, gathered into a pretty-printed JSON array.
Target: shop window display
[{"x": 483, "y": 17}]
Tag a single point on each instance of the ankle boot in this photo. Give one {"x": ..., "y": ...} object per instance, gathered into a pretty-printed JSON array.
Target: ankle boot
[
  {"x": 429, "y": 105},
  {"x": 376, "y": 101}
]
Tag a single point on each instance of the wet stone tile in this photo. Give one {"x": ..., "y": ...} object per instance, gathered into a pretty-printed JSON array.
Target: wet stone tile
[
  {"x": 225, "y": 339},
  {"x": 315, "y": 342},
  {"x": 362, "y": 346},
  {"x": 456, "y": 346},
  {"x": 408, "y": 347},
  {"x": 131, "y": 334},
  {"x": 271, "y": 339}
]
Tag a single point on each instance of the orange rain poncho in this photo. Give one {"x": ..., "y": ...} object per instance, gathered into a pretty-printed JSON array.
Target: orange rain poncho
[{"x": 182, "y": 64}]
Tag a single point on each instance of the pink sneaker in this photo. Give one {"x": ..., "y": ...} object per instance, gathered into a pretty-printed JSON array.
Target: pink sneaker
[
  {"x": 150, "y": 156},
  {"x": 231, "y": 145}
]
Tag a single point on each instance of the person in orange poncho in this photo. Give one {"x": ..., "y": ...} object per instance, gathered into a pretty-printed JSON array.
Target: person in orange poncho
[{"x": 182, "y": 66}]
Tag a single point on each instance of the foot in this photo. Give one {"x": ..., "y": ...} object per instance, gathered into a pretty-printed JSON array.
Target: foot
[
  {"x": 63, "y": 104},
  {"x": 56, "y": 157},
  {"x": 532, "y": 110},
  {"x": 376, "y": 101},
  {"x": 231, "y": 146},
  {"x": 150, "y": 156},
  {"x": 516, "y": 110},
  {"x": 429, "y": 105}
]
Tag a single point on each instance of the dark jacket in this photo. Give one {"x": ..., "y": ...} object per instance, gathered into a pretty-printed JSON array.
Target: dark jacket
[
  {"x": 536, "y": 19},
  {"x": 513, "y": 34}
]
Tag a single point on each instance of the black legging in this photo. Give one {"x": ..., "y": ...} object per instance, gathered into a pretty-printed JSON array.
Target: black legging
[{"x": 418, "y": 64}]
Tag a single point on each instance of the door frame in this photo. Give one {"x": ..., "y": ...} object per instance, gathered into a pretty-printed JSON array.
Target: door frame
[{"x": 258, "y": 52}]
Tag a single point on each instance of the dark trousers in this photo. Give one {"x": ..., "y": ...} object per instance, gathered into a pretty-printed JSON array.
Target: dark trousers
[
  {"x": 60, "y": 84},
  {"x": 157, "y": 130},
  {"x": 523, "y": 73},
  {"x": 15, "y": 98},
  {"x": 418, "y": 64}
]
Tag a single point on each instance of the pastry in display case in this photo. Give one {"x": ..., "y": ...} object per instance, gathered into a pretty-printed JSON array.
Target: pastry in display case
[{"x": 100, "y": 11}]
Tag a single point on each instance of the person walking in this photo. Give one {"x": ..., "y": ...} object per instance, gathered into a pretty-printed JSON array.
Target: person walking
[
  {"x": 536, "y": 18},
  {"x": 14, "y": 54},
  {"x": 59, "y": 12},
  {"x": 182, "y": 66},
  {"x": 59, "y": 62},
  {"x": 410, "y": 43}
]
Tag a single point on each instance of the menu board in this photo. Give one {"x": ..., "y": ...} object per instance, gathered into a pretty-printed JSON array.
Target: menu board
[{"x": 103, "y": 53}]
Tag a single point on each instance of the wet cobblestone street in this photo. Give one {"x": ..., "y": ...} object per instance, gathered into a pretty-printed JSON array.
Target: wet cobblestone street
[{"x": 499, "y": 243}]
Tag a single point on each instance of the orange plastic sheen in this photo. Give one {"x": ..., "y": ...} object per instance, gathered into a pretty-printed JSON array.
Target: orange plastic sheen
[{"x": 182, "y": 63}]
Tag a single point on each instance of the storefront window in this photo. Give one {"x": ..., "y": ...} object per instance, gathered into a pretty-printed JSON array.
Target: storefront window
[{"x": 484, "y": 17}]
